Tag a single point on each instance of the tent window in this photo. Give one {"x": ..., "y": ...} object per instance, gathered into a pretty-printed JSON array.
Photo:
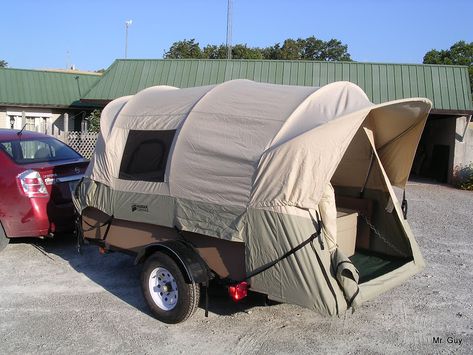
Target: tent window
[{"x": 145, "y": 155}]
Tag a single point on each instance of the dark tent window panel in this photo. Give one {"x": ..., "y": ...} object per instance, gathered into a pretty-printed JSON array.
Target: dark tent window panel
[{"x": 145, "y": 155}]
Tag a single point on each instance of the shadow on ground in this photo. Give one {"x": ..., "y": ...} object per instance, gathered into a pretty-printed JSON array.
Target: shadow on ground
[{"x": 117, "y": 274}]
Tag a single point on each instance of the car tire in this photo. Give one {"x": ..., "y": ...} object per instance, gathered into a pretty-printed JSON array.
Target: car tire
[
  {"x": 4, "y": 240},
  {"x": 170, "y": 296}
]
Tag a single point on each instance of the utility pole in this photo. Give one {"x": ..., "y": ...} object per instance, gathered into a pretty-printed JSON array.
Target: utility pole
[
  {"x": 127, "y": 24},
  {"x": 229, "y": 28},
  {"x": 68, "y": 60}
]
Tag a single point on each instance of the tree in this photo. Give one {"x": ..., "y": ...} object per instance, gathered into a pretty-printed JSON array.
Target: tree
[
  {"x": 309, "y": 48},
  {"x": 211, "y": 51},
  {"x": 3, "y": 64},
  {"x": 291, "y": 50},
  {"x": 94, "y": 121},
  {"x": 242, "y": 51},
  {"x": 184, "y": 49},
  {"x": 272, "y": 52},
  {"x": 460, "y": 53},
  {"x": 335, "y": 50},
  {"x": 312, "y": 48}
]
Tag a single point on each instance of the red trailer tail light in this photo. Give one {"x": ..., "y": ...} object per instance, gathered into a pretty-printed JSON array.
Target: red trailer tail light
[
  {"x": 238, "y": 291},
  {"x": 103, "y": 250},
  {"x": 32, "y": 184}
]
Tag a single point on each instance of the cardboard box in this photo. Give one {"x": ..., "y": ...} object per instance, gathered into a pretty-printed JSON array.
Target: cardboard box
[
  {"x": 347, "y": 221},
  {"x": 364, "y": 207}
]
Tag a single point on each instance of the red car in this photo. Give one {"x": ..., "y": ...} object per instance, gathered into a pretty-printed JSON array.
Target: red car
[{"x": 37, "y": 175}]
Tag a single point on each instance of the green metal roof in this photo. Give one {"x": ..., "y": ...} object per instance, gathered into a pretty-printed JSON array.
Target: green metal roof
[
  {"x": 447, "y": 86},
  {"x": 44, "y": 88}
]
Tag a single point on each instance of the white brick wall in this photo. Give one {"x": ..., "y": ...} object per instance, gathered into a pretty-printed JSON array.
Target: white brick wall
[
  {"x": 4, "y": 120},
  {"x": 463, "y": 143},
  {"x": 38, "y": 113}
]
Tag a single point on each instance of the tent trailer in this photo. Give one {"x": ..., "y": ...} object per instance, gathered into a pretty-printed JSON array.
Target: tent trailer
[{"x": 283, "y": 190}]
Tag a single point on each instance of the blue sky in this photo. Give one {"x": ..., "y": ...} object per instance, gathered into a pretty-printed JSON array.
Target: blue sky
[{"x": 91, "y": 34}]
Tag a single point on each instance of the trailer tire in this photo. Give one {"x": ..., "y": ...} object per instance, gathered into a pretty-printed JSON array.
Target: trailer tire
[
  {"x": 171, "y": 298},
  {"x": 4, "y": 240}
]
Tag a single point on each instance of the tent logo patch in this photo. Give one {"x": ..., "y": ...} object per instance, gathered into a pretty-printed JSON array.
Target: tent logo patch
[{"x": 140, "y": 208}]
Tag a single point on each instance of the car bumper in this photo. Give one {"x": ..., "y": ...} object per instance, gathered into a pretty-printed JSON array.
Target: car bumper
[{"x": 42, "y": 218}]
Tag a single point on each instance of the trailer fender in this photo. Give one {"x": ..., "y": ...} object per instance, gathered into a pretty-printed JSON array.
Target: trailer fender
[{"x": 184, "y": 254}]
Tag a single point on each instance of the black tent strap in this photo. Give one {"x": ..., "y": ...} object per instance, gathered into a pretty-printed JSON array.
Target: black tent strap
[
  {"x": 107, "y": 223},
  {"x": 350, "y": 301},
  {"x": 282, "y": 257},
  {"x": 272, "y": 263},
  {"x": 368, "y": 173},
  {"x": 404, "y": 204},
  {"x": 326, "y": 277},
  {"x": 346, "y": 262},
  {"x": 209, "y": 273},
  {"x": 80, "y": 230}
]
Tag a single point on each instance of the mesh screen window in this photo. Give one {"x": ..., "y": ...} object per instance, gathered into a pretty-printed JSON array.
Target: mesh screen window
[{"x": 145, "y": 155}]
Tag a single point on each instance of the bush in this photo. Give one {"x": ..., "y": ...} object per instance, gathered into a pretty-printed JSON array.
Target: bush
[
  {"x": 94, "y": 121},
  {"x": 463, "y": 177}
]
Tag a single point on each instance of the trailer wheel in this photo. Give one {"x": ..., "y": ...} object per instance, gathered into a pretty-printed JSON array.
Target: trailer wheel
[
  {"x": 3, "y": 238},
  {"x": 170, "y": 297}
]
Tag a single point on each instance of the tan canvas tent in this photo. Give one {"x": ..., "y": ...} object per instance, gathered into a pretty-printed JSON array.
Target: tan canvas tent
[{"x": 248, "y": 171}]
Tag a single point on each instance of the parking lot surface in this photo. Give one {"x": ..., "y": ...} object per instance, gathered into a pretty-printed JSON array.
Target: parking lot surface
[{"x": 53, "y": 300}]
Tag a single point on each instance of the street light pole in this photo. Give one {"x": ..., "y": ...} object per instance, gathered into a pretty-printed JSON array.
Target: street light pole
[
  {"x": 127, "y": 24},
  {"x": 229, "y": 28}
]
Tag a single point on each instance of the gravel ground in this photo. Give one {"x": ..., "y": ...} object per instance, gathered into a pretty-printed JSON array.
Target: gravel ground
[{"x": 53, "y": 300}]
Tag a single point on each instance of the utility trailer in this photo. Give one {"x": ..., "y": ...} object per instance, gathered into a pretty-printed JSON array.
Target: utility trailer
[{"x": 283, "y": 190}]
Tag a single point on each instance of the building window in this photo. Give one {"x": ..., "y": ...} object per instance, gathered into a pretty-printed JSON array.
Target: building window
[
  {"x": 12, "y": 121},
  {"x": 32, "y": 121},
  {"x": 30, "y": 124},
  {"x": 145, "y": 155}
]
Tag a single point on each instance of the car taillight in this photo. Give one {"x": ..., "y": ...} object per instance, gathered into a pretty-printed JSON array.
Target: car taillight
[
  {"x": 32, "y": 184},
  {"x": 238, "y": 291}
]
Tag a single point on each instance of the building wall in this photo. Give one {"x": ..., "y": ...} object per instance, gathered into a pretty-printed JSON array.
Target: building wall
[
  {"x": 4, "y": 122},
  {"x": 463, "y": 142},
  {"x": 50, "y": 121}
]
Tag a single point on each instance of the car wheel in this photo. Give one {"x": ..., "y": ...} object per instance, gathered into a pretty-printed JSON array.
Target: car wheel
[
  {"x": 171, "y": 298},
  {"x": 3, "y": 238}
]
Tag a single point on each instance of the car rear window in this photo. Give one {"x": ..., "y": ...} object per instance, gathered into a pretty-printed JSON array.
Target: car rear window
[{"x": 25, "y": 151}]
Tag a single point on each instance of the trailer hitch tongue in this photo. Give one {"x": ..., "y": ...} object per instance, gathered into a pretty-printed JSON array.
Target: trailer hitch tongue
[{"x": 238, "y": 291}]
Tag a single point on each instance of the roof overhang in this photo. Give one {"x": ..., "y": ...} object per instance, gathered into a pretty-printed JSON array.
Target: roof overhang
[
  {"x": 442, "y": 112},
  {"x": 96, "y": 102},
  {"x": 75, "y": 106}
]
